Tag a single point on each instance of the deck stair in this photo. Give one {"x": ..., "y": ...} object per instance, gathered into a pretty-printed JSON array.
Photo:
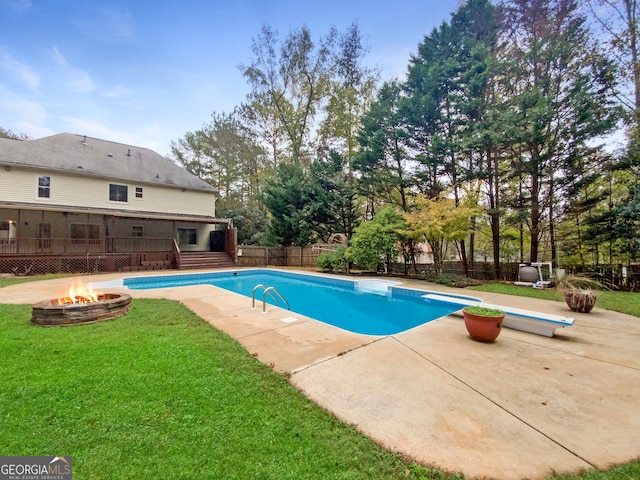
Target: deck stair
[{"x": 191, "y": 260}]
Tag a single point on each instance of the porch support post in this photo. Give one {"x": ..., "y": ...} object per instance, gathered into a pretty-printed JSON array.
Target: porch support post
[
  {"x": 67, "y": 233},
  {"x": 18, "y": 232}
]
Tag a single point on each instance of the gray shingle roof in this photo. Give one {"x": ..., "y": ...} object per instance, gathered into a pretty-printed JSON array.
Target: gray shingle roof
[{"x": 91, "y": 156}]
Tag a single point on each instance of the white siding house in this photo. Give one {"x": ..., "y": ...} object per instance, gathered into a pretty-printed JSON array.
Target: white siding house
[{"x": 69, "y": 194}]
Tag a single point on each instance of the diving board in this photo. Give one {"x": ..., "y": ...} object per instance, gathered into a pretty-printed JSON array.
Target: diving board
[{"x": 539, "y": 323}]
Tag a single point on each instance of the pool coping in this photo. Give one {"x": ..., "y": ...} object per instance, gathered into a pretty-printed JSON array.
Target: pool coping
[{"x": 524, "y": 407}]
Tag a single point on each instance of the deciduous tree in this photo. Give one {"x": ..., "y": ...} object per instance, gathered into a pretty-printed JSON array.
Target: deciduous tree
[
  {"x": 289, "y": 81},
  {"x": 439, "y": 221},
  {"x": 377, "y": 241}
]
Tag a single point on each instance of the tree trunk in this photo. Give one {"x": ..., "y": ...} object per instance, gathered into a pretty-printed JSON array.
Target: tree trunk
[
  {"x": 535, "y": 206},
  {"x": 494, "y": 209},
  {"x": 463, "y": 258},
  {"x": 495, "y": 238},
  {"x": 552, "y": 232},
  {"x": 472, "y": 249}
]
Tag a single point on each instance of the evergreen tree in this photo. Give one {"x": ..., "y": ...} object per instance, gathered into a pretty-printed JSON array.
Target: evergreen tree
[
  {"x": 559, "y": 87},
  {"x": 451, "y": 110},
  {"x": 383, "y": 165},
  {"x": 286, "y": 196},
  {"x": 334, "y": 196}
]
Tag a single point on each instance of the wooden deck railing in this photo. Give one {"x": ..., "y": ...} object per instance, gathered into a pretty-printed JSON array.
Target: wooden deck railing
[{"x": 58, "y": 246}]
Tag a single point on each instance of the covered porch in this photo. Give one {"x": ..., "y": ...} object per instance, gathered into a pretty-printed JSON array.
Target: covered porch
[{"x": 38, "y": 241}]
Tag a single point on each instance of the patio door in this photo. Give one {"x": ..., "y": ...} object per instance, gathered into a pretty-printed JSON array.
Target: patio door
[
  {"x": 44, "y": 237},
  {"x": 7, "y": 236}
]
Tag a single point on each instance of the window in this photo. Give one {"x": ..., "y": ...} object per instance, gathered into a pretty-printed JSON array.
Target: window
[
  {"x": 118, "y": 193},
  {"x": 187, "y": 236},
  {"x": 138, "y": 192},
  {"x": 137, "y": 231},
  {"x": 82, "y": 233},
  {"x": 44, "y": 186}
]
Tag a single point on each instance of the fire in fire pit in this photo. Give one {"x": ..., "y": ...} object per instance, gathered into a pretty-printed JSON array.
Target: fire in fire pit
[
  {"x": 79, "y": 294},
  {"x": 82, "y": 305}
]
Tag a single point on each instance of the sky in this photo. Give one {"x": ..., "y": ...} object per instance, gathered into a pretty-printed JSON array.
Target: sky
[{"x": 144, "y": 72}]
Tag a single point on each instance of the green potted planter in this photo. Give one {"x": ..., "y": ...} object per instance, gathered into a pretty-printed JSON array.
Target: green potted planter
[{"x": 483, "y": 324}]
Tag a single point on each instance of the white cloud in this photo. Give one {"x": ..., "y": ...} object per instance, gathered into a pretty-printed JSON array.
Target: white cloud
[
  {"x": 83, "y": 126},
  {"x": 23, "y": 109},
  {"x": 106, "y": 23},
  {"x": 151, "y": 136},
  {"x": 33, "y": 130},
  {"x": 20, "y": 70},
  {"x": 79, "y": 79},
  {"x": 117, "y": 92},
  {"x": 22, "y": 115}
]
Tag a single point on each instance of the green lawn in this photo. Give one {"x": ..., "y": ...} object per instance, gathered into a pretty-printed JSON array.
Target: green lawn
[
  {"x": 6, "y": 281},
  {"x": 159, "y": 393}
]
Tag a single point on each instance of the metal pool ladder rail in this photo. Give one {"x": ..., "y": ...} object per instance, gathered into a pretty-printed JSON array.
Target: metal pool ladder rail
[{"x": 272, "y": 292}]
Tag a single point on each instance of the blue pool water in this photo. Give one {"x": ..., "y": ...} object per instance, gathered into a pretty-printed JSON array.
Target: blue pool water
[{"x": 365, "y": 306}]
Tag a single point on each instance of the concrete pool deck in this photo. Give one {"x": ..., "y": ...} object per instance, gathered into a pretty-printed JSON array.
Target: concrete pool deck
[{"x": 525, "y": 406}]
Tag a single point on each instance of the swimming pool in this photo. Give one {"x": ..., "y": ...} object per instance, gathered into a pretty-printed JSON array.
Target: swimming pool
[{"x": 371, "y": 307}]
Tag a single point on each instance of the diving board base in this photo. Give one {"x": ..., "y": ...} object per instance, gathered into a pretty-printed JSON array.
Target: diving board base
[
  {"x": 530, "y": 325},
  {"x": 539, "y": 323}
]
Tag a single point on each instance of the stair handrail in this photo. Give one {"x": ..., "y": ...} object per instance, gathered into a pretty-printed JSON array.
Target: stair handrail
[{"x": 176, "y": 254}]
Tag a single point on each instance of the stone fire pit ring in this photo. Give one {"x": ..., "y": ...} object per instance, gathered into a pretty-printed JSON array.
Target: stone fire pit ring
[{"x": 50, "y": 313}]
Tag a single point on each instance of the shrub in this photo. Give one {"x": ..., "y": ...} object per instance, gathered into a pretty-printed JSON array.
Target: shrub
[
  {"x": 333, "y": 261},
  {"x": 452, "y": 280}
]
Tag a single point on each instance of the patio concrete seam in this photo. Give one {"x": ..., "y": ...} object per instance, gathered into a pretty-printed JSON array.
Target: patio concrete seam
[
  {"x": 340, "y": 354},
  {"x": 501, "y": 407}
]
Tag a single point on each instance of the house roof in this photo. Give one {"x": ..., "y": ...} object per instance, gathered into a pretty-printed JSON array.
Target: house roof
[{"x": 91, "y": 156}]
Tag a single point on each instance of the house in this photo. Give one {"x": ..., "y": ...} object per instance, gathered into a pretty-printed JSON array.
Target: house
[{"x": 74, "y": 203}]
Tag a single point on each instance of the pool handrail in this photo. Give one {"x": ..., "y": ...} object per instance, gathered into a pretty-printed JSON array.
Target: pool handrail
[{"x": 270, "y": 291}]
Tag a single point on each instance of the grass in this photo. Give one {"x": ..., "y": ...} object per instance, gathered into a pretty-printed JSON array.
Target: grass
[
  {"x": 6, "y": 281},
  {"x": 624, "y": 302},
  {"x": 160, "y": 393}
]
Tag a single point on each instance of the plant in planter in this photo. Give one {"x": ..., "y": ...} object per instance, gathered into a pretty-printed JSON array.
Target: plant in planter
[
  {"x": 483, "y": 324},
  {"x": 579, "y": 292}
]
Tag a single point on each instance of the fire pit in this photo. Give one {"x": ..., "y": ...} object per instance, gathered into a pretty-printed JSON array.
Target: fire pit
[{"x": 81, "y": 306}]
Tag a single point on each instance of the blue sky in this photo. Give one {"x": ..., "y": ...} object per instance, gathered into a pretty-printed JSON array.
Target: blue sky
[{"x": 146, "y": 72}]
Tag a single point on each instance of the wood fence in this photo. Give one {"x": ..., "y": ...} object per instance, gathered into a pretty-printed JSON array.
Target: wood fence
[{"x": 255, "y": 256}]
